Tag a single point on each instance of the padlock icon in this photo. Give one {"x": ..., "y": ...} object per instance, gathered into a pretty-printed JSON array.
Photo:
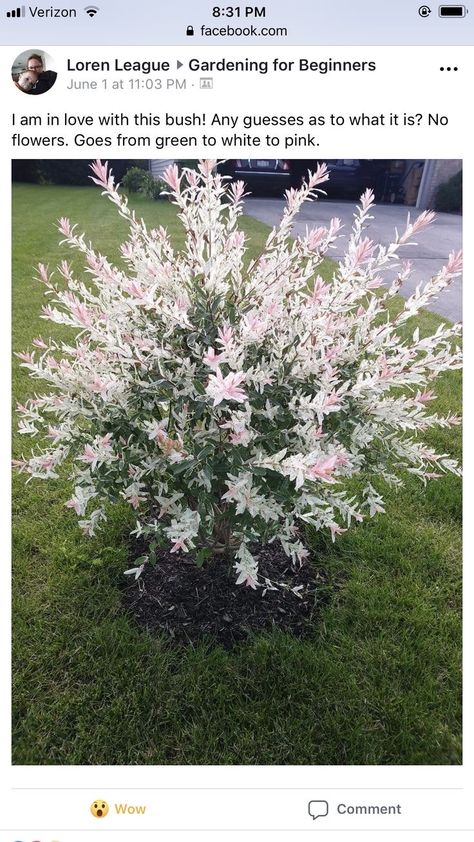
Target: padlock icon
[{"x": 190, "y": 30}]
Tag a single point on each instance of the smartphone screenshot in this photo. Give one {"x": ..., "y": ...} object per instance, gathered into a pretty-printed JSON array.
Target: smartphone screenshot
[{"x": 233, "y": 330}]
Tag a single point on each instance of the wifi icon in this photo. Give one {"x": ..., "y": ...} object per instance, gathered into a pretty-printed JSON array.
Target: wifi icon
[{"x": 91, "y": 10}]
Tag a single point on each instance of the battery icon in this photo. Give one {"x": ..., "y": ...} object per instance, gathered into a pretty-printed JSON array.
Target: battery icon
[{"x": 452, "y": 11}]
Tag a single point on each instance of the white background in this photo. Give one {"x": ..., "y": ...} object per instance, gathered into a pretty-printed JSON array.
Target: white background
[{"x": 406, "y": 80}]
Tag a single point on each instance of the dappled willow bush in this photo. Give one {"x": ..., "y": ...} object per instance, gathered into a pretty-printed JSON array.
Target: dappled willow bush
[{"x": 230, "y": 400}]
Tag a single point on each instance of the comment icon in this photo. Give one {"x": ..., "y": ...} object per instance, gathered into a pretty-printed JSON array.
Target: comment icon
[{"x": 318, "y": 809}]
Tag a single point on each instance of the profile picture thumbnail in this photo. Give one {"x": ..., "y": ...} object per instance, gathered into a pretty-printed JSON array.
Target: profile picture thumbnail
[{"x": 33, "y": 72}]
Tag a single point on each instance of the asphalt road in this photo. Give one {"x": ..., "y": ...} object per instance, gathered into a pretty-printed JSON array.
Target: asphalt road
[{"x": 434, "y": 243}]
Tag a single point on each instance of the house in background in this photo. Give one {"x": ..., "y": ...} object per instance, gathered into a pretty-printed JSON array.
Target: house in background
[
  {"x": 406, "y": 181},
  {"x": 157, "y": 166},
  {"x": 436, "y": 171}
]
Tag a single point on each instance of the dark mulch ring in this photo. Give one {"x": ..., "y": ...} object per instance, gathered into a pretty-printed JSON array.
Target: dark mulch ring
[{"x": 188, "y": 603}]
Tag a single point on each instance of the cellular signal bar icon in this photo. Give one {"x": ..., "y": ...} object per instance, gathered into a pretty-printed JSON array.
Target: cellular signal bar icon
[{"x": 19, "y": 12}]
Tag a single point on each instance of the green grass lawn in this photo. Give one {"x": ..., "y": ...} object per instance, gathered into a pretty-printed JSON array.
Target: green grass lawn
[{"x": 379, "y": 682}]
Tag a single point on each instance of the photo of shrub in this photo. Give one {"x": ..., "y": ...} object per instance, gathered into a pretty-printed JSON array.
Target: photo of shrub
[{"x": 251, "y": 432}]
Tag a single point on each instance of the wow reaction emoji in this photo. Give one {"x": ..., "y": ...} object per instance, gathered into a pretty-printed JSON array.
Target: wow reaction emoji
[{"x": 99, "y": 808}]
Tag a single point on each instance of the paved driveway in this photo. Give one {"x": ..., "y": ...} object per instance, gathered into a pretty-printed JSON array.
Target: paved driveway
[{"x": 435, "y": 242}]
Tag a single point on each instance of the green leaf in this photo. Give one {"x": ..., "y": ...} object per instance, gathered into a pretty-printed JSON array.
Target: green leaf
[
  {"x": 180, "y": 467},
  {"x": 206, "y": 451},
  {"x": 201, "y": 556},
  {"x": 199, "y": 386}
]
